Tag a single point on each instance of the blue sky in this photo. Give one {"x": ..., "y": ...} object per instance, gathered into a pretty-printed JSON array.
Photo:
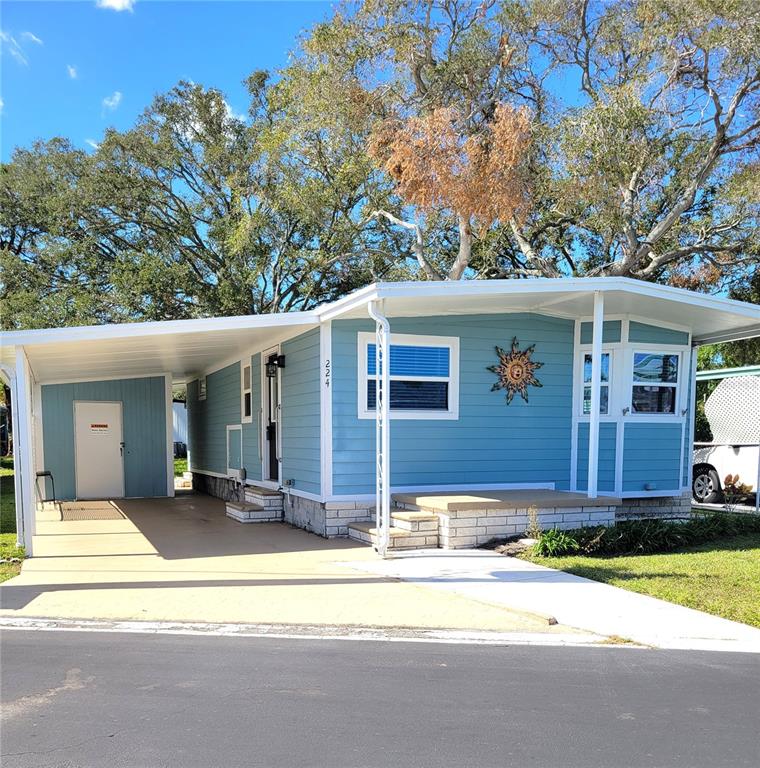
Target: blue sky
[{"x": 73, "y": 68}]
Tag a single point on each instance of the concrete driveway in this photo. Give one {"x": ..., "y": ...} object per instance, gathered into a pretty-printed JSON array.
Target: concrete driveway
[{"x": 182, "y": 559}]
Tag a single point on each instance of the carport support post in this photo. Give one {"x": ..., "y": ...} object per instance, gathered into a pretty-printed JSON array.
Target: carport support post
[
  {"x": 596, "y": 381},
  {"x": 22, "y": 447},
  {"x": 382, "y": 428}
]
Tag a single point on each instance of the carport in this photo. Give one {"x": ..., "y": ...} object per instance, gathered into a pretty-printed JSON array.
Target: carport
[
  {"x": 182, "y": 560},
  {"x": 112, "y": 385}
]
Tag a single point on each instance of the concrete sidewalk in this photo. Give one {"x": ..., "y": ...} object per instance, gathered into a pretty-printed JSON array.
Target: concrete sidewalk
[{"x": 574, "y": 601}]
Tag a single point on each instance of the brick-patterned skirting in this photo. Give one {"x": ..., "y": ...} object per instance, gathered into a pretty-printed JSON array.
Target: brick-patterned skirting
[
  {"x": 471, "y": 528},
  {"x": 662, "y": 507},
  {"x": 329, "y": 519},
  {"x": 456, "y": 528}
]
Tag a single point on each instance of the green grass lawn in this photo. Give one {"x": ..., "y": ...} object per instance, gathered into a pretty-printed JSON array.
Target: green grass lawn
[
  {"x": 721, "y": 577},
  {"x": 8, "y": 546},
  {"x": 180, "y": 466}
]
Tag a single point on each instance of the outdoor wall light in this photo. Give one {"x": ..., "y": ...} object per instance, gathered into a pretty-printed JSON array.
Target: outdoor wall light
[{"x": 273, "y": 363}]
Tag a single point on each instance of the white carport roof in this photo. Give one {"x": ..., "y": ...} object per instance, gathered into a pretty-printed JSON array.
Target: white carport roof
[
  {"x": 710, "y": 319},
  {"x": 179, "y": 347},
  {"x": 187, "y": 347}
]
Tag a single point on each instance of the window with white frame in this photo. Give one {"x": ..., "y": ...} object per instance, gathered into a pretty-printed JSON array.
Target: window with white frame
[
  {"x": 655, "y": 382},
  {"x": 604, "y": 387},
  {"x": 423, "y": 374},
  {"x": 202, "y": 388},
  {"x": 246, "y": 400}
]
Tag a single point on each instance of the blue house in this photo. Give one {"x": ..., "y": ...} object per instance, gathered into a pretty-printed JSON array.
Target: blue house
[{"x": 405, "y": 414}]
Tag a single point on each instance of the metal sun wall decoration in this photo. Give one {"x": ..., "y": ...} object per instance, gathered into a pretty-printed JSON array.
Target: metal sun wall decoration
[{"x": 515, "y": 371}]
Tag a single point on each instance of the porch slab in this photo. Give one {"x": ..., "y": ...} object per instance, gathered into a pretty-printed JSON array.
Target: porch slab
[{"x": 466, "y": 501}]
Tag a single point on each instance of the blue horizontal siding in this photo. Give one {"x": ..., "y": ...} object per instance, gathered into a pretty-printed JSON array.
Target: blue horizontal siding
[
  {"x": 207, "y": 419},
  {"x": 607, "y": 454},
  {"x": 641, "y": 333},
  {"x": 652, "y": 455},
  {"x": 491, "y": 442},
  {"x": 301, "y": 413},
  {"x": 144, "y": 427},
  {"x": 611, "y": 332}
]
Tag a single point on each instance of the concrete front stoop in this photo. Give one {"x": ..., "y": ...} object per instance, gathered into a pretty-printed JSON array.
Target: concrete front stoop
[
  {"x": 409, "y": 530},
  {"x": 462, "y": 520},
  {"x": 261, "y": 505}
]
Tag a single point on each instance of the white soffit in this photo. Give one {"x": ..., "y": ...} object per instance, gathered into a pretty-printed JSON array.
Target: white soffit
[{"x": 182, "y": 354}]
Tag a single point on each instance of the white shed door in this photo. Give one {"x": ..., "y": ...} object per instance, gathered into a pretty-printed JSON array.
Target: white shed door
[{"x": 98, "y": 450}]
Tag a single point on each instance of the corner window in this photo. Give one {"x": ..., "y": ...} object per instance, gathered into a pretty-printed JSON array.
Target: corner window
[
  {"x": 604, "y": 390},
  {"x": 246, "y": 401},
  {"x": 423, "y": 373},
  {"x": 202, "y": 388},
  {"x": 655, "y": 382}
]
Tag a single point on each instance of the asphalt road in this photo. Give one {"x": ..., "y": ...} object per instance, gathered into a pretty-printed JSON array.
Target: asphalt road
[{"x": 101, "y": 699}]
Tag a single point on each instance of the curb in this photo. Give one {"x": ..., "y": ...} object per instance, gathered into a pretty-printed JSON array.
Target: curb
[{"x": 310, "y": 632}]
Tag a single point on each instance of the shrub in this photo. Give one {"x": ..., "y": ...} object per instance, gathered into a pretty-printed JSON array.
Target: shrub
[
  {"x": 643, "y": 537},
  {"x": 554, "y": 543},
  {"x": 534, "y": 530}
]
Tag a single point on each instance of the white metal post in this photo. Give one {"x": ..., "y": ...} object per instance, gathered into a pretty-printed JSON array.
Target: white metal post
[
  {"x": 596, "y": 379},
  {"x": 22, "y": 446},
  {"x": 382, "y": 428},
  {"x": 691, "y": 424}
]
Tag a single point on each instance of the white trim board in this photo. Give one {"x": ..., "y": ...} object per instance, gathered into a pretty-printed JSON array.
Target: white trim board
[
  {"x": 168, "y": 405},
  {"x": 325, "y": 407},
  {"x": 90, "y": 379},
  {"x": 445, "y": 489}
]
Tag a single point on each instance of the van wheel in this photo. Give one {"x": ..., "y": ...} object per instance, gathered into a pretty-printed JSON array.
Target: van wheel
[{"x": 705, "y": 486}]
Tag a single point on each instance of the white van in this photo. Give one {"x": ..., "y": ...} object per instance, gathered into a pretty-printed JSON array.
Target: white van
[{"x": 733, "y": 411}]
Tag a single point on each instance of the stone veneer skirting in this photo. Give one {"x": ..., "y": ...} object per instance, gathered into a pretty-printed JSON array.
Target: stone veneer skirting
[{"x": 220, "y": 487}]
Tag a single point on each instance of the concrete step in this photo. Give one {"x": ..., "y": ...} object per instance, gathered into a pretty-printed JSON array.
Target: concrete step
[
  {"x": 187, "y": 476},
  {"x": 264, "y": 497},
  {"x": 425, "y": 523},
  {"x": 399, "y": 538},
  {"x": 244, "y": 512}
]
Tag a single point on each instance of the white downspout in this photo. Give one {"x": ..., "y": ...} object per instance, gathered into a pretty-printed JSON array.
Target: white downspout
[
  {"x": 382, "y": 429},
  {"x": 596, "y": 379}
]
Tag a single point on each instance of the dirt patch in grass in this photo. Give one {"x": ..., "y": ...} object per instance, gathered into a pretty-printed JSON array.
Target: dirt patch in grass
[{"x": 721, "y": 577}]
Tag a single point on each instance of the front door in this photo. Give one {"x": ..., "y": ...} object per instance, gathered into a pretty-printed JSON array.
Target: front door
[
  {"x": 98, "y": 450},
  {"x": 272, "y": 413}
]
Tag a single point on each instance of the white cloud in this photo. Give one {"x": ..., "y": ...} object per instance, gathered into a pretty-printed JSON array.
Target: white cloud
[
  {"x": 2, "y": 104},
  {"x": 112, "y": 102},
  {"x": 116, "y": 5},
  {"x": 94, "y": 144},
  {"x": 72, "y": 70},
  {"x": 230, "y": 113},
  {"x": 31, "y": 37},
  {"x": 10, "y": 44}
]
